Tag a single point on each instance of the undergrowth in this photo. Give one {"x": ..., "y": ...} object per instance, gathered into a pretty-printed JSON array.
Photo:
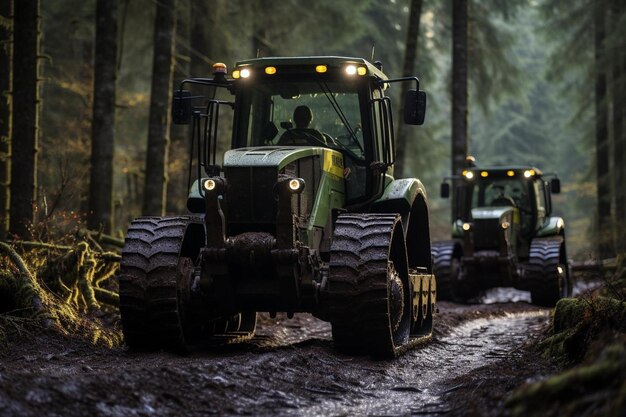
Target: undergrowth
[{"x": 588, "y": 338}]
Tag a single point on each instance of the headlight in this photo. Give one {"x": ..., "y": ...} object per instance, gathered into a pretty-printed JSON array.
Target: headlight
[
  {"x": 209, "y": 185},
  {"x": 296, "y": 185}
]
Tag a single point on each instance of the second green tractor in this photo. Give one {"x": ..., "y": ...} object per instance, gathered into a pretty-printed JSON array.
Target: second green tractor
[{"x": 503, "y": 235}]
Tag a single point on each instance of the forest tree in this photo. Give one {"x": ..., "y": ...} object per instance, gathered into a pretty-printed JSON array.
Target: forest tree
[{"x": 103, "y": 122}]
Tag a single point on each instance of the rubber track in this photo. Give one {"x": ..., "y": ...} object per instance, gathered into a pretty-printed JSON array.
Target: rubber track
[
  {"x": 147, "y": 280},
  {"x": 442, "y": 268},
  {"x": 541, "y": 270},
  {"x": 357, "y": 285}
]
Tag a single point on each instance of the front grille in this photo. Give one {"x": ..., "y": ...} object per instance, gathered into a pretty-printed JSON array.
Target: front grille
[
  {"x": 250, "y": 197},
  {"x": 486, "y": 233}
]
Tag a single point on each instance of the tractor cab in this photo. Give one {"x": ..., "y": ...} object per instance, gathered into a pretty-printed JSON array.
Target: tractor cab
[{"x": 334, "y": 103}]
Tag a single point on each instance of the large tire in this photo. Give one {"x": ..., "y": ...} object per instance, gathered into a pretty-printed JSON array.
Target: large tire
[
  {"x": 368, "y": 286},
  {"x": 547, "y": 272},
  {"x": 445, "y": 267},
  {"x": 151, "y": 315}
]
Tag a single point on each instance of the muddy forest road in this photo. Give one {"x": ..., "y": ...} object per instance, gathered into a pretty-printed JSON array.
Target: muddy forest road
[{"x": 478, "y": 354}]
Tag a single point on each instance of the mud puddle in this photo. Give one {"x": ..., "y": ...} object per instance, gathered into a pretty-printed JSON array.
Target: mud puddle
[{"x": 414, "y": 383}]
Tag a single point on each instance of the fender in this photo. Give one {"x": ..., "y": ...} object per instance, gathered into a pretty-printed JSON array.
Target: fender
[
  {"x": 195, "y": 200},
  {"x": 554, "y": 226},
  {"x": 408, "y": 197},
  {"x": 399, "y": 196}
]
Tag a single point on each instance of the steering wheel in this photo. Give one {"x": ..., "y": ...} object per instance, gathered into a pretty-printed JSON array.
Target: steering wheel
[{"x": 294, "y": 136}]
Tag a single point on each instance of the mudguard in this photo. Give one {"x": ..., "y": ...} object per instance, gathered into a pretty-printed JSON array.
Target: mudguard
[
  {"x": 400, "y": 195},
  {"x": 195, "y": 200},
  {"x": 553, "y": 226}
]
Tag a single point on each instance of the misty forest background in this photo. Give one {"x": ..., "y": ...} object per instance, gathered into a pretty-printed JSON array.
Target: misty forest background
[{"x": 86, "y": 85}]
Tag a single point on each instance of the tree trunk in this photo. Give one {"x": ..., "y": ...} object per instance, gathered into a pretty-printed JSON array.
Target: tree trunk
[
  {"x": 623, "y": 117},
  {"x": 261, "y": 45},
  {"x": 459, "y": 84},
  {"x": 154, "y": 195},
  {"x": 25, "y": 112},
  {"x": 6, "y": 35},
  {"x": 602, "y": 149},
  {"x": 178, "y": 157},
  {"x": 619, "y": 141},
  {"x": 103, "y": 120},
  {"x": 410, "y": 58}
]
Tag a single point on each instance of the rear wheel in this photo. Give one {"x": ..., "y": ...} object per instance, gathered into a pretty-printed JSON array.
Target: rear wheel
[
  {"x": 368, "y": 285},
  {"x": 547, "y": 271},
  {"x": 445, "y": 267},
  {"x": 152, "y": 314},
  {"x": 158, "y": 309}
]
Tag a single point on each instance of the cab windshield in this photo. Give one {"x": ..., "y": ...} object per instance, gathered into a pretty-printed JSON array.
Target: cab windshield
[
  {"x": 316, "y": 113},
  {"x": 502, "y": 192}
]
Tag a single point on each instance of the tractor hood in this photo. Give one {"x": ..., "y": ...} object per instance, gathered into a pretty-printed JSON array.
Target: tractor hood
[
  {"x": 484, "y": 213},
  {"x": 269, "y": 156}
]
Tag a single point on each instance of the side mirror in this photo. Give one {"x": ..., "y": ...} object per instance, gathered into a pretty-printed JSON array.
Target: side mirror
[
  {"x": 414, "y": 107},
  {"x": 181, "y": 107},
  {"x": 555, "y": 185},
  {"x": 445, "y": 190}
]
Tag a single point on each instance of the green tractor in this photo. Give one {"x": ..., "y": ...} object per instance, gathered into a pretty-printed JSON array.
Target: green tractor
[
  {"x": 503, "y": 235},
  {"x": 303, "y": 214}
]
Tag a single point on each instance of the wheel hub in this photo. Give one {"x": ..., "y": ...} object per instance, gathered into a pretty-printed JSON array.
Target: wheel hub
[{"x": 396, "y": 289}]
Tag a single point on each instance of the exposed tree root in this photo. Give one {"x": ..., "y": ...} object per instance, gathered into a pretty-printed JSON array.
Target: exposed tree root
[{"x": 71, "y": 289}]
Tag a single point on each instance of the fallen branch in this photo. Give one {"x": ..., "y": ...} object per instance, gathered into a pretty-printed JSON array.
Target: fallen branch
[
  {"x": 594, "y": 265},
  {"x": 102, "y": 238}
]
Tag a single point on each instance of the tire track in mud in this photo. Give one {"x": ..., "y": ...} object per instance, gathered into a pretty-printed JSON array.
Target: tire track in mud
[{"x": 290, "y": 368}]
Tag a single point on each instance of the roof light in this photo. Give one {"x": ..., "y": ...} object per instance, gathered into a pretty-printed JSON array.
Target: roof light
[
  {"x": 321, "y": 69},
  {"x": 351, "y": 69},
  {"x": 510, "y": 173},
  {"x": 270, "y": 70},
  {"x": 219, "y": 67},
  {"x": 236, "y": 74},
  {"x": 245, "y": 73},
  {"x": 361, "y": 70},
  {"x": 484, "y": 174}
]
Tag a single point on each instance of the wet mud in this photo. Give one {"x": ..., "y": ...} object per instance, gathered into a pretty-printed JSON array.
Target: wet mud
[{"x": 289, "y": 368}]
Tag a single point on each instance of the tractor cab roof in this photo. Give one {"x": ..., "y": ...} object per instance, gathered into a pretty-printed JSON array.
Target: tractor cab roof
[
  {"x": 308, "y": 65},
  {"x": 526, "y": 171}
]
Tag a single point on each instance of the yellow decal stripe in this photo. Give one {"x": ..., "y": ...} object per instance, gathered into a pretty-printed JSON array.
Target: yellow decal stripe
[{"x": 333, "y": 163}]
